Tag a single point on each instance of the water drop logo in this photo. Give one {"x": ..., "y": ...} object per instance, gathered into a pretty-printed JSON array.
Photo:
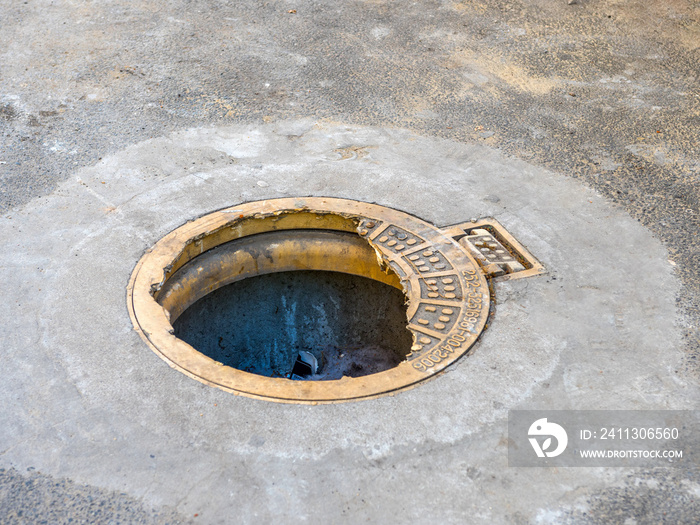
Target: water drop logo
[{"x": 542, "y": 428}]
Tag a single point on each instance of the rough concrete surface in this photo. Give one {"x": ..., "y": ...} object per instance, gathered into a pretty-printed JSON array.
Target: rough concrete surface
[{"x": 576, "y": 125}]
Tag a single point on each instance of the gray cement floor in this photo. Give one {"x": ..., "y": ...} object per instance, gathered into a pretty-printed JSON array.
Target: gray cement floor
[{"x": 575, "y": 125}]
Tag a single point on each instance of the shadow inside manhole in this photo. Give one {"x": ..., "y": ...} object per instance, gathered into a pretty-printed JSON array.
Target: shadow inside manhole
[{"x": 313, "y": 325}]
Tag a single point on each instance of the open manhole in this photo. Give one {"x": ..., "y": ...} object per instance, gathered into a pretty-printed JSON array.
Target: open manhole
[
  {"x": 314, "y": 300},
  {"x": 302, "y": 325}
]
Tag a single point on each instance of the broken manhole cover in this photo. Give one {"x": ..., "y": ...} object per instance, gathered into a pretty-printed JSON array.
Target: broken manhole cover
[{"x": 441, "y": 272}]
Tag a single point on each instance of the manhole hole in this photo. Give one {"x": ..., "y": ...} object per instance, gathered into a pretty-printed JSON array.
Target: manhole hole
[
  {"x": 441, "y": 272},
  {"x": 302, "y": 325}
]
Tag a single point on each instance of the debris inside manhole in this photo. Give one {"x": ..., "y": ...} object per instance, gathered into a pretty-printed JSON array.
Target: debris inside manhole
[
  {"x": 305, "y": 365},
  {"x": 444, "y": 284}
]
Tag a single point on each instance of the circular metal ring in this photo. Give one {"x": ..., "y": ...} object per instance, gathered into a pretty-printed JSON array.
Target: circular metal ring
[{"x": 447, "y": 295}]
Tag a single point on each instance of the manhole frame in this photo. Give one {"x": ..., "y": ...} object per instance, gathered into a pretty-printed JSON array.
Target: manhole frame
[{"x": 437, "y": 257}]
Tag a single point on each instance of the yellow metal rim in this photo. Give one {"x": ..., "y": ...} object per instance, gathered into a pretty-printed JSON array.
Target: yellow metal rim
[{"x": 447, "y": 294}]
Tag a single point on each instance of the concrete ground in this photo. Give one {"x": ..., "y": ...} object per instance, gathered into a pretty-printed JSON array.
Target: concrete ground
[{"x": 576, "y": 125}]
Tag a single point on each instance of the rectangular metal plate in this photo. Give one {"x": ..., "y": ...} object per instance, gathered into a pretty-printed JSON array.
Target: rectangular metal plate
[{"x": 499, "y": 254}]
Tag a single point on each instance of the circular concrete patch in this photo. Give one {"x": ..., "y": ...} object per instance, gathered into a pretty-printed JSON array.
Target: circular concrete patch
[{"x": 92, "y": 402}]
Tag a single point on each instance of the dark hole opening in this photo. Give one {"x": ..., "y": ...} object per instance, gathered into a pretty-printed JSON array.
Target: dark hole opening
[{"x": 275, "y": 325}]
